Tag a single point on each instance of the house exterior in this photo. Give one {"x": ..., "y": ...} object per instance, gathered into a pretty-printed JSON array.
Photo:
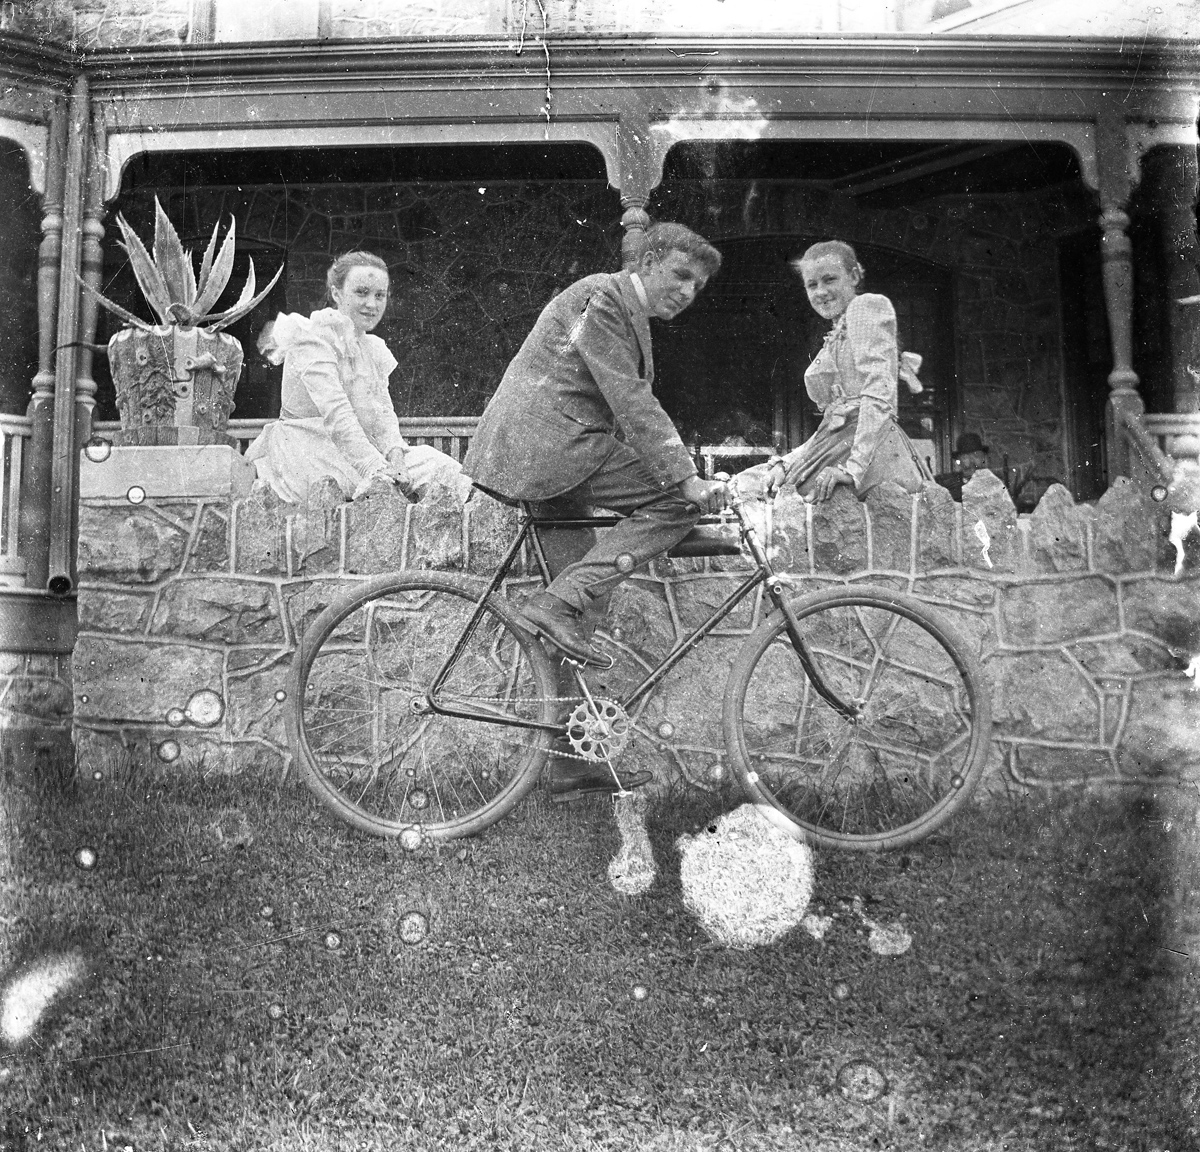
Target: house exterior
[{"x": 1019, "y": 179}]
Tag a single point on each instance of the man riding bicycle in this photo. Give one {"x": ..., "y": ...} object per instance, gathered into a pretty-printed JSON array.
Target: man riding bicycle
[{"x": 575, "y": 425}]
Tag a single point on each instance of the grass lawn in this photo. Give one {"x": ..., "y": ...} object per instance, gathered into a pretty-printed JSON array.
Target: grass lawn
[{"x": 254, "y": 975}]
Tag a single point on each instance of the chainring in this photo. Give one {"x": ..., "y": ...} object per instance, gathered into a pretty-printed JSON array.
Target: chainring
[{"x": 598, "y": 730}]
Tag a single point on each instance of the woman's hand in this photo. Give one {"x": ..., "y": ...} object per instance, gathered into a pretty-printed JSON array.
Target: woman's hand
[
  {"x": 776, "y": 478},
  {"x": 827, "y": 480},
  {"x": 396, "y": 471}
]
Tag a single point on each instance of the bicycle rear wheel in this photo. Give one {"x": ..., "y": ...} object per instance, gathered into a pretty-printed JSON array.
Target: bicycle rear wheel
[
  {"x": 905, "y": 765},
  {"x": 366, "y": 743}
]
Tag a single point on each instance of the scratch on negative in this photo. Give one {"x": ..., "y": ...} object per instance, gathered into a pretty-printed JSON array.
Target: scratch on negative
[{"x": 577, "y": 327}]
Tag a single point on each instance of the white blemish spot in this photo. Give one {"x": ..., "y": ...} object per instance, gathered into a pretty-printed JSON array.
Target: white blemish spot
[
  {"x": 981, "y": 534},
  {"x": 1181, "y": 526},
  {"x": 1193, "y": 671},
  {"x": 27, "y": 998},
  {"x": 816, "y": 926}
]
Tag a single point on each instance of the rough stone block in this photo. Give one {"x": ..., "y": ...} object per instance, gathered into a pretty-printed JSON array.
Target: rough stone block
[
  {"x": 140, "y": 681},
  {"x": 787, "y": 546},
  {"x": 491, "y": 529},
  {"x": 119, "y": 545},
  {"x": 260, "y": 529},
  {"x": 1058, "y": 532},
  {"x": 965, "y": 589},
  {"x": 435, "y": 530},
  {"x": 1125, "y": 656},
  {"x": 696, "y": 597},
  {"x": 974, "y": 629},
  {"x": 210, "y": 546},
  {"x": 101, "y": 610},
  {"x": 317, "y": 529},
  {"x": 1162, "y": 734},
  {"x": 639, "y": 617},
  {"x": 211, "y": 608},
  {"x": 988, "y": 508},
  {"x": 1166, "y": 608},
  {"x": 305, "y": 600},
  {"x": 1042, "y": 694},
  {"x": 254, "y": 710},
  {"x": 937, "y": 514},
  {"x": 890, "y": 512},
  {"x": 839, "y": 534},
  {"x": 1064, "y": 610},
  {"x": 375, "y": 525},
  {"x": 213, "y": 470},
  {"x": 1125, "y": 531}
]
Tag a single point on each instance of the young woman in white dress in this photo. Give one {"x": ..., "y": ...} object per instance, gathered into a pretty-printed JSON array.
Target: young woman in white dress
[{"x": 336, "y": 416}]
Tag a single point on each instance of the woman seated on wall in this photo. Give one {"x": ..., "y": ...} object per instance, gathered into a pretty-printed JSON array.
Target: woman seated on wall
[
  {"x": 336, "y": 417},
  {"x": 853, "y": 381}
]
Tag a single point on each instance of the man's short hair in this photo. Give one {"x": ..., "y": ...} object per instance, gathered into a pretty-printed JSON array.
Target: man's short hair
[{"x": 666, "y": 237}]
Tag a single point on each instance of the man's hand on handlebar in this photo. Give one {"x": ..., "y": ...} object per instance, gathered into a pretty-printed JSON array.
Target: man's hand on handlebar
[{"x": 708, "y": 495}]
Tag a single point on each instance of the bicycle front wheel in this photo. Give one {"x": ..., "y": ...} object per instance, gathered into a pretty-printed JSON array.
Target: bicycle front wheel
[
  {"x": 909, "y": 759},
  {"x": 360, "y": 727}
]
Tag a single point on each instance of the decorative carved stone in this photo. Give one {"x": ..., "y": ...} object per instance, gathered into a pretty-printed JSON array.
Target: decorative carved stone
[
  {"x": 890, "y": 510},
  {"x": 174, "y": 385},
  {"x": 988, "y": 511}
]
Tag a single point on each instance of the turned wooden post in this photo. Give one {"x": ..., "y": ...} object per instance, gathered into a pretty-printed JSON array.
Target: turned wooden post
[
  {"x": 635, "y": 220},
  {"x": 1118, "y": 175},
  {"x": 34, "y": 531},
  {"x": 60, "y": 579}
]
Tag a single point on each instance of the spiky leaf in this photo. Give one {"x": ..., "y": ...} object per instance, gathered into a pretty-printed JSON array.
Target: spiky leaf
[
  {"x": 206, "y": 262},
  {"x": 243, "y": 306},
  {"x": 116, "y": 309},
  {"x": 218, "y": 277},
  {"x": 149, "y": 278},
  {"x": 189, "y": 270},
  {"x": 171, "y": 260}
]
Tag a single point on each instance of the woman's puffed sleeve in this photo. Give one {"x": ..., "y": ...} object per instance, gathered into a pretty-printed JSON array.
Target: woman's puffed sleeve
[
  {"x": 871, "y": 338},
  {"x": 315, "y": 365},
  {"x": 375, "y": 408}
]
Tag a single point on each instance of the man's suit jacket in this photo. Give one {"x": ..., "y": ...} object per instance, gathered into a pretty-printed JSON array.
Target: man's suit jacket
[{"x": 584, "y": 372}]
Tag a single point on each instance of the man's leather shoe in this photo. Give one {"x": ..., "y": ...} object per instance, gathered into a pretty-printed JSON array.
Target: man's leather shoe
[
  {"x": 571, "y": 779},
  {"x": 556, "y": 622}
]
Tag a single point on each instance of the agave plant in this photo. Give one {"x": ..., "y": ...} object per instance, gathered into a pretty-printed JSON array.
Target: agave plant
[
  {"x": 175, "y": 380},
  {"x": 169, "y": 283}
]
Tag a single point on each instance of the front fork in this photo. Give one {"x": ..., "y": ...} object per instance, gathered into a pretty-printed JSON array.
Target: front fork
[{"x": 775, "y": 590}]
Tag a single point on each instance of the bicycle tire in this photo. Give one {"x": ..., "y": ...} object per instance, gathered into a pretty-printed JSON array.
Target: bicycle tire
[
  {"x": 910, "y": 761},
  {"x": 387, "y": 769}
]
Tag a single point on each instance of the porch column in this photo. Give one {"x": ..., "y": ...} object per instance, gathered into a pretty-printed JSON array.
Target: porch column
[
  {"x": 640, "y": 174},
  {"x": 1118, "y": 176},
  {"x": 34, "y": 532},
  {"x": 60, "y": 577}
]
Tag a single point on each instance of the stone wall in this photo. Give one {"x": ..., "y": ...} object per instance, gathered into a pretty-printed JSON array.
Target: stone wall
[{"x": 1082, "y": 624}]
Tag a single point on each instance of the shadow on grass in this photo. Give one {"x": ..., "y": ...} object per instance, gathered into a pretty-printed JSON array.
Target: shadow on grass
[{"x": 262, "y": 977}]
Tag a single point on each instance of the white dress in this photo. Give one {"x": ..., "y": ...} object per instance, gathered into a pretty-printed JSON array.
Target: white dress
[{"x": 336, "y": 416}]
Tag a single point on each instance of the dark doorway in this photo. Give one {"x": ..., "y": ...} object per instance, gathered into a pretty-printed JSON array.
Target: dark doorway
[
  {"x": 733, "y": 364},
  {"x": 1086, "y": 360}
]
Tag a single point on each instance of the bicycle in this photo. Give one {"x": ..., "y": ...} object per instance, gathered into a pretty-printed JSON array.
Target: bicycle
[{"x": 422, "y": 707}]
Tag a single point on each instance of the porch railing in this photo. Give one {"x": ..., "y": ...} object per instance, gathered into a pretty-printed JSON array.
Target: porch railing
[
  {"x": 449, "y": 434},
  {"x": 16, "y": 431}
]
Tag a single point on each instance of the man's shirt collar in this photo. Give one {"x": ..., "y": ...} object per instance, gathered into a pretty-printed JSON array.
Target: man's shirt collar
[{"x": 640, "y": 289}]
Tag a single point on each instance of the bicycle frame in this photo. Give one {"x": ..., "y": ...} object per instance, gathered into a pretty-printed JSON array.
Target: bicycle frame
[{"x": 763, "y": 574}]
